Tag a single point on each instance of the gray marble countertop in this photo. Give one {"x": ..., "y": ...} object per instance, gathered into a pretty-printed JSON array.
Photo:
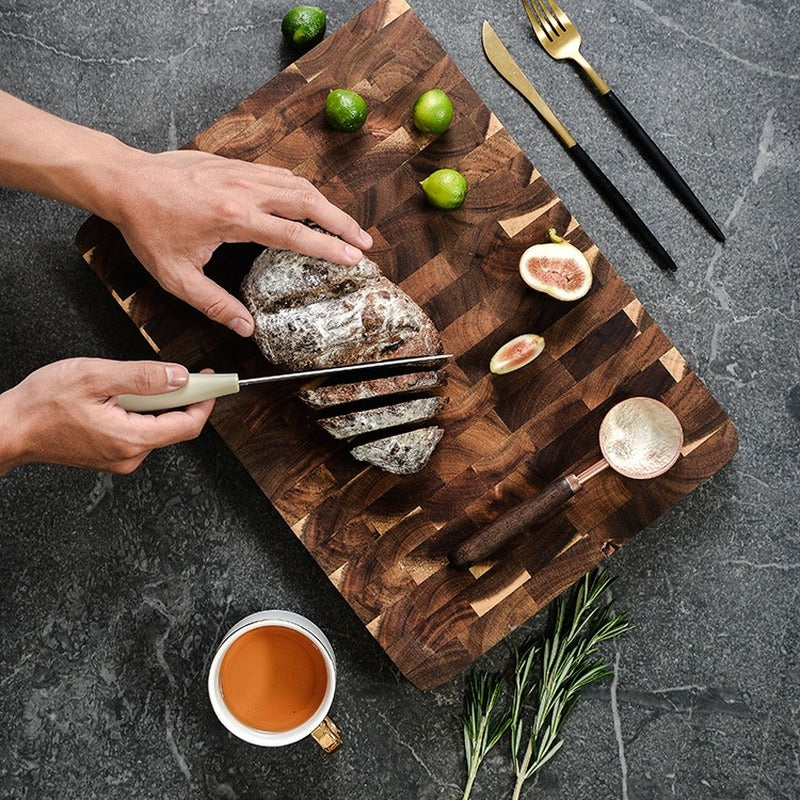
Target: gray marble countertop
[{"x": 115, "y": 590}]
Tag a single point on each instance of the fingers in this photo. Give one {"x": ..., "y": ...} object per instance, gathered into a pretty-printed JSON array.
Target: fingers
[
  {"x": 109, "y": 378},
  {"x": 171, "y": 426},
  {"x": 291, "y": 235},
  {"x": 302, "y": 200},
  {"x": 146, "y": 432},
  {"x": 209, "y": 297},
  {"x": 299, "y": 199},
  {"x": 308, "y": 203}
]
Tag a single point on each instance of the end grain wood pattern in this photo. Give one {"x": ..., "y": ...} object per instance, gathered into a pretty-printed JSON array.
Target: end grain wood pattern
[{"x": 381, "y": 539}]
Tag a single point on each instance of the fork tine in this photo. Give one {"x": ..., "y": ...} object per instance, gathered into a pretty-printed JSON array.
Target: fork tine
[
  {"x": 545, "y": 14},
  {"x": 563, "y": 19},
  {"x": 545, "y": 19},
  {"x": 542, "y": 34}
]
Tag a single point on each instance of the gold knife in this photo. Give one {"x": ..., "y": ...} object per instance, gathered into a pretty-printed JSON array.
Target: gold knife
[{"x": 504, "y": 63}]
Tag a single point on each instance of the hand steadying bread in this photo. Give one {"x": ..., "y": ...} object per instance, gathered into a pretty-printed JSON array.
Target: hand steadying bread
[{"x": 174, "y": 209}]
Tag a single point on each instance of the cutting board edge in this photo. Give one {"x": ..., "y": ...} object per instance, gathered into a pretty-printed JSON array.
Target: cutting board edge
[{"x": 87, "y": 241}]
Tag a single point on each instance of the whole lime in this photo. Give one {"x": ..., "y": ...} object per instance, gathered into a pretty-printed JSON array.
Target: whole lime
[
  {"x": 345, "y": 110},
  {"x": 445, "y": 188},
  {"x": 433, "y": 112},
  {"x": 303, "y": 26}
]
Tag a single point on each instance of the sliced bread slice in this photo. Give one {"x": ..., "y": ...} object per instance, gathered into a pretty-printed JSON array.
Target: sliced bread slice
[
  {"x": 402, "y": 453},
  {"x": 325, "y": 396},
  {"x": 354, "y": 423}
]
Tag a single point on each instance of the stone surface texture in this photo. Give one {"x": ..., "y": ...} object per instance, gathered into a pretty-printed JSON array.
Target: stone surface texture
[{"x": 115, "y": 590}]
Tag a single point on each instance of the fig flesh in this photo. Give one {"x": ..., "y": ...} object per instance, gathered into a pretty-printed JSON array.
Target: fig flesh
[
  {"x": 556, "y": 268},
  {"x": 516, "y": 353}
]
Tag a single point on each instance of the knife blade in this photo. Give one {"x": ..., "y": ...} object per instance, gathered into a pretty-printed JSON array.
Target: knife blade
[
  {"x": 504, "y": 63},
  {"x": 204, "y": 386}
]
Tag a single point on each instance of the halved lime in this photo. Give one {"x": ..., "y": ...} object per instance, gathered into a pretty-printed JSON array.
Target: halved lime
[
  {"x": 345, "y": 110},
  {"x": 433, "y": 112},
  {"x": 445, "y": 188},
  {"x": 303, "y": 26}
]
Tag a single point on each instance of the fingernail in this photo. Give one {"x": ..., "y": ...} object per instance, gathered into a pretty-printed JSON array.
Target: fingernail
[
  {"x": 241, "y": 326},
  {"x": 352, "y": 252},
  {"x": 366, "y": 239},
  {"x": 176, "y": 375}
]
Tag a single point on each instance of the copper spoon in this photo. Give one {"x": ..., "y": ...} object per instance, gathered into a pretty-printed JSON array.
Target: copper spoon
[{"x": 639, "y": 438}]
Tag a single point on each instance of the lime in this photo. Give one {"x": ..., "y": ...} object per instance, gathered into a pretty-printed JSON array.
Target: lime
[
  {"x": 445, "y": 188},
  {"x": 433, "y": 112},
  {"x": 303, "y": 26},
  {"x": 345, "y": 110}
]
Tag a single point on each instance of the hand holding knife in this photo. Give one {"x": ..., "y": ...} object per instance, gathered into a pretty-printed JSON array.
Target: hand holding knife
[
  {"x": 504, "y": 63},
  {"x": 205, "y": 386}
]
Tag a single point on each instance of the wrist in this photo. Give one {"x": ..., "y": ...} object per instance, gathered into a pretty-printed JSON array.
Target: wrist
[
  {"x": 12, "y": 433},
  {"x": 105, "y": 180}
]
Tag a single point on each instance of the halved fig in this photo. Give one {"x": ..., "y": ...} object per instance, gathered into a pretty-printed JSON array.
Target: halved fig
[
  {"x": 516, "y": 353},
  {"x": 556, "y": 268}
]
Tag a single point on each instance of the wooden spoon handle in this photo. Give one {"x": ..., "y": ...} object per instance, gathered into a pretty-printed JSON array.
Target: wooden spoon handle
[{"x": 485, "y": 542}]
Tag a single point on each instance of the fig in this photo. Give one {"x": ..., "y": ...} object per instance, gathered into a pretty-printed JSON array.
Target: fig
[
  {"x": 516, "y": 353},
  {"x": 556, "y": 268}
]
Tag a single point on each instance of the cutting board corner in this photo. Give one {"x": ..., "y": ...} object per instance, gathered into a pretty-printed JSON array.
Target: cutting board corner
[{"x": 372, "y": 533}]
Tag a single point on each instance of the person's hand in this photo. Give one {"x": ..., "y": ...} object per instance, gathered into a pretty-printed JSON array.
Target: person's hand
[
  {"x": 175, "y": 208},
  {"x": 66, "y": 413}
]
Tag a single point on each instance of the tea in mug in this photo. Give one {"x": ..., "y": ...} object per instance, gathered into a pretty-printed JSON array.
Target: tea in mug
[{"x": 273, "y": 678}]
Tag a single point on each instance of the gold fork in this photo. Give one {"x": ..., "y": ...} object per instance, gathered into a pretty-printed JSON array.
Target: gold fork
[{"x": 561, "y": 40}]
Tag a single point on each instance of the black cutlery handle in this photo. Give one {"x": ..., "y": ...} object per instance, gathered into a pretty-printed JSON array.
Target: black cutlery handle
[
  {"x": 621, "y": 206},
  {"x": 662, "y": 164}
]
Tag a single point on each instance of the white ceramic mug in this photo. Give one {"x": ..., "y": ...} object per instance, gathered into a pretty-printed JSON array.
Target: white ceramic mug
[{"x": 319, "y": 725}]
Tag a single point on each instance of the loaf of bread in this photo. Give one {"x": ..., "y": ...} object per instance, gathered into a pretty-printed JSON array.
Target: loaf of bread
[{"x": 310, "y": 313}]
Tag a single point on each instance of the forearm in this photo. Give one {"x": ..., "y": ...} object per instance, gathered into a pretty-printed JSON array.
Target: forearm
[{"x": 50, "y": 156}]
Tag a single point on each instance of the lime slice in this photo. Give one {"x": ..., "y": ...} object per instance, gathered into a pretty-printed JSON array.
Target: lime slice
[
  {"x": 445, "y": 188},
  {"x": 433, "y": 112},
  {"x": 345, "y": 110},
  {"x": 303, "y": 26}
]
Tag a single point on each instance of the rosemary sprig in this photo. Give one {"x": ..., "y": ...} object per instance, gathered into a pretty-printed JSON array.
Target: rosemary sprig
[
  {"x": 549, "y": 673},
  {"x": 568, "y": 663},
  {"x": 481, "y": 731}
]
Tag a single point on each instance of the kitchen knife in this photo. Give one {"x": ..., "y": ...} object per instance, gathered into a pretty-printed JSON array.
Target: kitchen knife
[
  {"x": 504, "y": 63},
  {"x": 203, "y": 386}
]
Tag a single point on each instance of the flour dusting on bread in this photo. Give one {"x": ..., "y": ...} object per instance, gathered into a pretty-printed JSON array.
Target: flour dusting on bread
[{"x": 311, "y": 313}]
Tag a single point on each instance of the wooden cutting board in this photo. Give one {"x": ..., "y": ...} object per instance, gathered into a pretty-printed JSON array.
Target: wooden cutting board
[{"x": 382, "y": 539}]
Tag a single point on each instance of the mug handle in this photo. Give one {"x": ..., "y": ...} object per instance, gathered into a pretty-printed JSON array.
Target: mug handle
[{"x": 327, "y": 735}]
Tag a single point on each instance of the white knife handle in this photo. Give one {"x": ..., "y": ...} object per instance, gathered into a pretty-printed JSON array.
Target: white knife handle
[{"x": 200, "y": 386}]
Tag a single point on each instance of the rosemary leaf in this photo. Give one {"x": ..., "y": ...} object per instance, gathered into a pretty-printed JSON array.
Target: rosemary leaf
[
  {"x": 483, "y": 727},
  {"x": 568, "y": 663}
]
